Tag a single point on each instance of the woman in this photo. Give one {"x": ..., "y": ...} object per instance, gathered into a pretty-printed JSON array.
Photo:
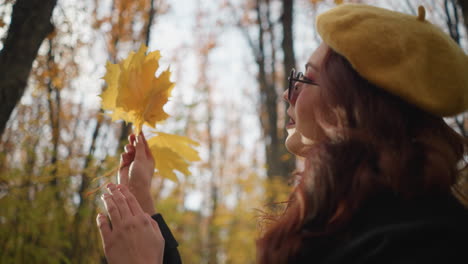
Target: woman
[{"x": 382, "y": 166}]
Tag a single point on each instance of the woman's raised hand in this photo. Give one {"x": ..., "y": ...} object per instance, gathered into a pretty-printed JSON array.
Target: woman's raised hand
[
  {"x": 136, "y": 171},
  {"x": 134, "y": 236}
]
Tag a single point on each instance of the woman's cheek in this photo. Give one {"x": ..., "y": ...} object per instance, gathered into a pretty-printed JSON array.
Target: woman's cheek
[{"x": 304, "y": 116}]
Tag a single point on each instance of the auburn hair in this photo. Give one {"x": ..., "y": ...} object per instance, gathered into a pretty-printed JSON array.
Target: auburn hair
[{"x": 384, "y": 144}]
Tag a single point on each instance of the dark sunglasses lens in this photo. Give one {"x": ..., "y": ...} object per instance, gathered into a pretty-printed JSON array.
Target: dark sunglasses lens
[{"x": 291, "y": 83}]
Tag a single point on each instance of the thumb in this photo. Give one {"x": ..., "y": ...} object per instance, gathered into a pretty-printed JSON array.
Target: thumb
[
  {"x": 147, "y": 149},
  {"x": 140, "y": 148},
  {"x": 122, "y": 176}
]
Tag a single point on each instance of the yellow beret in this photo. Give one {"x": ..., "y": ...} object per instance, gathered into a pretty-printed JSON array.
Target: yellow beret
[{"x": 403, "y": 54}]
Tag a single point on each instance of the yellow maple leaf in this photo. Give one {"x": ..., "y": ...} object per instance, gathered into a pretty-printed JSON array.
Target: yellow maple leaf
[
  {"x": 134, "y": 94},
  {"x": 171, "y": 153}
]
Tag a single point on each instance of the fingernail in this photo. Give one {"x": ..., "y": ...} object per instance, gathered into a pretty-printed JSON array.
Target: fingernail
[
  {"x": 100, "y": 218},
  {"x": 111, "y": 186}
]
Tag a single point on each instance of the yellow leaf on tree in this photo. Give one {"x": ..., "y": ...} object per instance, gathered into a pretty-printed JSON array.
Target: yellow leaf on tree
[
  {"x": 134, "y": 94},
  {"x": 172, "y": 153}
]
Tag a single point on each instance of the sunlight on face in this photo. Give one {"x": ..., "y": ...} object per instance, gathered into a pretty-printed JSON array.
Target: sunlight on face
[{"x": 303, "y": 130}]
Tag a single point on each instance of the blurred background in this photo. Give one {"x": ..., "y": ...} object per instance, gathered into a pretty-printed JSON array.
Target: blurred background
[{"x": 230, "y": 60}]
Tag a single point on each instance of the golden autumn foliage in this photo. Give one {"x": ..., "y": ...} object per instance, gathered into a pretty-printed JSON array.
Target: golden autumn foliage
[
  {"x": 58, "y": 147},
  {"x": 134, "y": 94}
]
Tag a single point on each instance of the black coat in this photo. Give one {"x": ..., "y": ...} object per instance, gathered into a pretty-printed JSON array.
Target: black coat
[
  {"x": 385, "y": 231},
  {"x": 171, "y": 253},
  {"x": 388, "y": 230}
]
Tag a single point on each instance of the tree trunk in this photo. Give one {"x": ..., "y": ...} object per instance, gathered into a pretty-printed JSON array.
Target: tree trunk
[
  {"x": 53, "y": 101},
  {"x": 289, "y": 62},
  {"x": 453, "y": 22},
  {"x": 30, "y": 24},
  {"x": 279, "y": 161},
  {"x": 211, "y": 241},
  {"x": 464, "y": 7}
]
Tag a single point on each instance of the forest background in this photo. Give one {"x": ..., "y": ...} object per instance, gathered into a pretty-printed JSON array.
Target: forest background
[{"x": 230, "y": 60}]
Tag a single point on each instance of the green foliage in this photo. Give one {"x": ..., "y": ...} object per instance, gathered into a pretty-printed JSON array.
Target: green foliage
[
  {"x": 44, "y": 218},
  {"x": 38, "y": 218}
]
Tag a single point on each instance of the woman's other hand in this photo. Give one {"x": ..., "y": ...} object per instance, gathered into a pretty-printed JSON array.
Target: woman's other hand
[
  {"x": 136, "y": 171},
  {"x": 134, "y": 236}
]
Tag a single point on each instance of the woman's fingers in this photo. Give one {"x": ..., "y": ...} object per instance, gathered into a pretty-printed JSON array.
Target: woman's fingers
[
  {"x": 104, "y": 228},
  {"x": 131, "y": 138},
  {"x": 112, "y": 209},
  {"x": 133, "y": 142},
  {"x": 129, "y": 148},
  {"x": 140, "y": 148},
  {"x": 120, "y": 201},
  {"x": 122, "y": 175},
  {"x": 128, "y": 156},
  {"x": 131, "y": 201},
  {"x": 125, "y": 161},
  {"x": 147, "y": 149}
]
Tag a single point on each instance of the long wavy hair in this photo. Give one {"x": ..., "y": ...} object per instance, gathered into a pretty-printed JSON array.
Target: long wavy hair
[{"x": 383, "y": 144}]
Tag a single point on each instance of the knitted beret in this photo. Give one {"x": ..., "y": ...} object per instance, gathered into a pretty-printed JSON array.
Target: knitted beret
[{"x": 402, "y": 54}]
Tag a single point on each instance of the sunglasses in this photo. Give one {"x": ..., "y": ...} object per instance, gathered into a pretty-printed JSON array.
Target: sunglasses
[{"x": 296, "y": 77}]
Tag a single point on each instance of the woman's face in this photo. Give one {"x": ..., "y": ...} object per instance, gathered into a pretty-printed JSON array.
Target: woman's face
[{"x": 303, "y": 130}]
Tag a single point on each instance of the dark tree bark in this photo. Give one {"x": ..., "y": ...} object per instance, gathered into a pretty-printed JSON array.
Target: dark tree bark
[
  {"x": 54, "y": 103},
  {"x": 289, "y": 62},
  {"x": 30, "y": 24},
  {"x": 464, "y": 7},
  {"x": 280, "y": 162},
  {"x": 453, "y": 22}
]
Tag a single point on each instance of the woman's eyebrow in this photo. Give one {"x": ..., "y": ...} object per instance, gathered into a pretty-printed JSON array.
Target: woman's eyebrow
[{"x": 313, "y": 66}]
